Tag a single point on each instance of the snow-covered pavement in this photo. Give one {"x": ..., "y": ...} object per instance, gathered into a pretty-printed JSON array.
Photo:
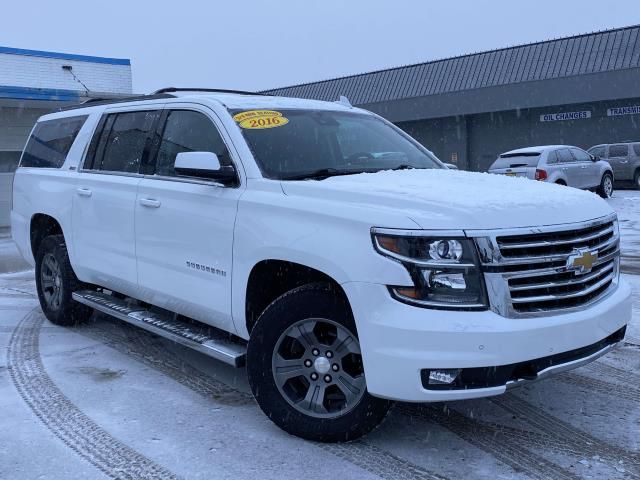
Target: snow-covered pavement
[
  {"x": 627, "y": 204},
  {"x": 106, "y": 400}
]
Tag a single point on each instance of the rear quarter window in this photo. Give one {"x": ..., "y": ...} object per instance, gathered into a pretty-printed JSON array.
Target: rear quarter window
[
  {"x": 51, "y": 141},
  {"x": 636, "y": 149}
]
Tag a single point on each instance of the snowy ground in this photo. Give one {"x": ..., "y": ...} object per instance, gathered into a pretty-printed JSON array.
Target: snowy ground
[{"x": 108, "y": 401}]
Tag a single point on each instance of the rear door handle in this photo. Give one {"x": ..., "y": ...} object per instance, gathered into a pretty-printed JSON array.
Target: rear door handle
[
  {"x": 84, "y": 192},
  {"x": 150, "y": 202}
]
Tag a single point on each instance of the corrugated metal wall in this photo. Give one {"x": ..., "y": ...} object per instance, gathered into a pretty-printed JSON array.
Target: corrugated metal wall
[{"x": 579, "y": 55}]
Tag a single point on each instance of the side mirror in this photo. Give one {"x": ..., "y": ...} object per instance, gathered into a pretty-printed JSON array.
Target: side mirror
[
  {"x": 203, "y": 165},
  {"x": 594, "y": 158},
  {"x": 451, "y": 166}
]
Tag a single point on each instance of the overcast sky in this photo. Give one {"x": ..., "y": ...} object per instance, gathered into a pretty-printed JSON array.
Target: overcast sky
[{"x": 258, "y": 44}]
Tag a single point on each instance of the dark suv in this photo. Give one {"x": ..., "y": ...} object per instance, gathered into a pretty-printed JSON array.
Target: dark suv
[{"x": 624, "y": 158}]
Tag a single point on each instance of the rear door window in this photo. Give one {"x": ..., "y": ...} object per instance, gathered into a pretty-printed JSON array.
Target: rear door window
[
  {"x": 618, "y": 151},
  {"x": 636, "y": 149},
  {"x": 51, "y": 141},
  {"x": 122, "y": 142},
  {"x": 564, "y": 156}
]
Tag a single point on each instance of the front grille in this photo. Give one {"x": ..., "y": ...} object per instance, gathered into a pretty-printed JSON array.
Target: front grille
[{"x": 534, "y": 266}]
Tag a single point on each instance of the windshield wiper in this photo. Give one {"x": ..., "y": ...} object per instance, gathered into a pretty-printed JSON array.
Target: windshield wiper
[
  {"x": 404, "y": 166},
  {"x": 322, "y": 173}
]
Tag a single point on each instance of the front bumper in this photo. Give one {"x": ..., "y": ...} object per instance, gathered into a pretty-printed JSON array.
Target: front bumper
[{"x": 399, "y": 341}]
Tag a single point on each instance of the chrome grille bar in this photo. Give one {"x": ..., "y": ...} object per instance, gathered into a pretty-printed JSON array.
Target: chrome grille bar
[
  {"x": 549, "y": 243},
  {"x": 560, "y": 296},
  {"x": 575, "y": 281},
  {"x": 528, "y": 271}
]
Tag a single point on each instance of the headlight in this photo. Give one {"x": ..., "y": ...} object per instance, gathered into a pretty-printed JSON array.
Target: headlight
[{"x": 444, "y": 269}]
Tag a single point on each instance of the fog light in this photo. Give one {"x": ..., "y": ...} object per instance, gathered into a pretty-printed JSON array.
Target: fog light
[{"x": 443, "y": 377}]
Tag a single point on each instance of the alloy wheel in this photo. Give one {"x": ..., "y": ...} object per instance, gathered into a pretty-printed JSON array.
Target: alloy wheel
[
  {"x": 608, "y": 186},
  {"x": 51, "y": 281},
  {"x": 317, "y": 367}
]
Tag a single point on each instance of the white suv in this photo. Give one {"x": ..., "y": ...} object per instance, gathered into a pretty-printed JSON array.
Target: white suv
[{"x": 319, "y": 244}]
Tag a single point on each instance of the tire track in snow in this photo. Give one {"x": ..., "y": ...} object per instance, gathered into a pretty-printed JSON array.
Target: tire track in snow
[
  {"x": 620, "y": 374},
  {"x": 62, "y": 418},
  {"x": 565, "y": 436},
  {"x": 492, "y": 440},
  {"x": 144, "y": 347},
  {"x": 626, "y": 392}
]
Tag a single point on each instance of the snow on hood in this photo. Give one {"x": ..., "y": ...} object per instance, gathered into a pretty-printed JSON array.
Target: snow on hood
[{"x": 459, "y": 199}]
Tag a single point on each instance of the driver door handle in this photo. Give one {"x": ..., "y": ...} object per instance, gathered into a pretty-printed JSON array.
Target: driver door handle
[
  {"x": 84, "y": 192},
  {"x": 150, "y": 202}
]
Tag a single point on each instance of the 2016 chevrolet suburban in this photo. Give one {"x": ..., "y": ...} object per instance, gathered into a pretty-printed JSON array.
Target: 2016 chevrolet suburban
[{"x": 318, "y": 244}]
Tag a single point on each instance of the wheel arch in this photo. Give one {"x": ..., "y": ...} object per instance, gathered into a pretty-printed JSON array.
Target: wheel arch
[
  {"x": 41, "y": 226},
  {"x": 271, "y": 278}
]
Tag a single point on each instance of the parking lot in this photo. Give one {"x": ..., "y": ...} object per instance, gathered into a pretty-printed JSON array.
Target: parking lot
[{"x": 106, "y": 400}]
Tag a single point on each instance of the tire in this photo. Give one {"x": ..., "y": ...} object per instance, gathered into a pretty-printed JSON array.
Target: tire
[
  {"x": 605, "y": 189},
  {"x": 636, "y": 180},
  {"x": 339, "y": 417},
  {"x": 56, "y": 281}
]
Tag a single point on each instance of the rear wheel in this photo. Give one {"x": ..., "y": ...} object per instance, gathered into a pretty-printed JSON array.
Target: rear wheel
[
  {"x": 56, "y": 281},
  {"x": 605, "y": 190},
  {"x": 304, "y": 365}
]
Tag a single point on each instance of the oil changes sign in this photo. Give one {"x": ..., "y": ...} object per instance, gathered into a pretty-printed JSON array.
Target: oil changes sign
[{"x": 559, "y": 117}]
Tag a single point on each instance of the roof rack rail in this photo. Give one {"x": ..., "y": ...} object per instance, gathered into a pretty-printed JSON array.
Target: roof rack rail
[
  {"x": 210, "y": 90},
  {"x": 106, "y": 101}
]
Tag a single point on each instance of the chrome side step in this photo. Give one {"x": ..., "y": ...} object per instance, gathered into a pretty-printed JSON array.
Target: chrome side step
[{"x": 204, "y": 339}]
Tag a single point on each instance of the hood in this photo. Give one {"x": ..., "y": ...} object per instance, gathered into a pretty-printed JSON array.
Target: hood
[{"x": 450, "y": 199}]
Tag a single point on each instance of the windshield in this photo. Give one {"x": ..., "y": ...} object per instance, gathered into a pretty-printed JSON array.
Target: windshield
[
  {"x": 296, "y": 144},
  {"x": 514, "y": 160}
]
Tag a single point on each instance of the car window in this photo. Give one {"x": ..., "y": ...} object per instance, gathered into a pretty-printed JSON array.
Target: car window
[
  {"x": 515, "y": 160},
  {"x": 51, "y": 141},
  {"x": 290, "y": 144},
  {"x": 580, "y": 155},
  {"x": 564, "y": 155},
  {"x": 552, "y": 157},
  {"x": 597, "y": 151},
  {"x": 123, "y": 141},
  {"x": 636, "y": 149},
  {"x": 618, "y": 151},
  {"x": 188, "y": 131}
]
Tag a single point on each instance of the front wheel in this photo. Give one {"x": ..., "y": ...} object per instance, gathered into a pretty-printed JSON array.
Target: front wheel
[
  {"x": 636, "y": 180},
  {"x": 605, "y": 190},
  {"x": 305, "y": 369}
]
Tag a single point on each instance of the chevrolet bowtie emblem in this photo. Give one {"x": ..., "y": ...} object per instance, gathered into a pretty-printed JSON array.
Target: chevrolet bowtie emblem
[{"x": 582, "y": 260}]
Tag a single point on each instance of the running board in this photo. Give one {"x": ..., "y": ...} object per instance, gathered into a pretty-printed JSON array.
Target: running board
[{"x": 203, "y": 338}]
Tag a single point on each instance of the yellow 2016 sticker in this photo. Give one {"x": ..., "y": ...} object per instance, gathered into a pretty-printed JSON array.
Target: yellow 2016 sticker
[{"x": 254, "y": 119}]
